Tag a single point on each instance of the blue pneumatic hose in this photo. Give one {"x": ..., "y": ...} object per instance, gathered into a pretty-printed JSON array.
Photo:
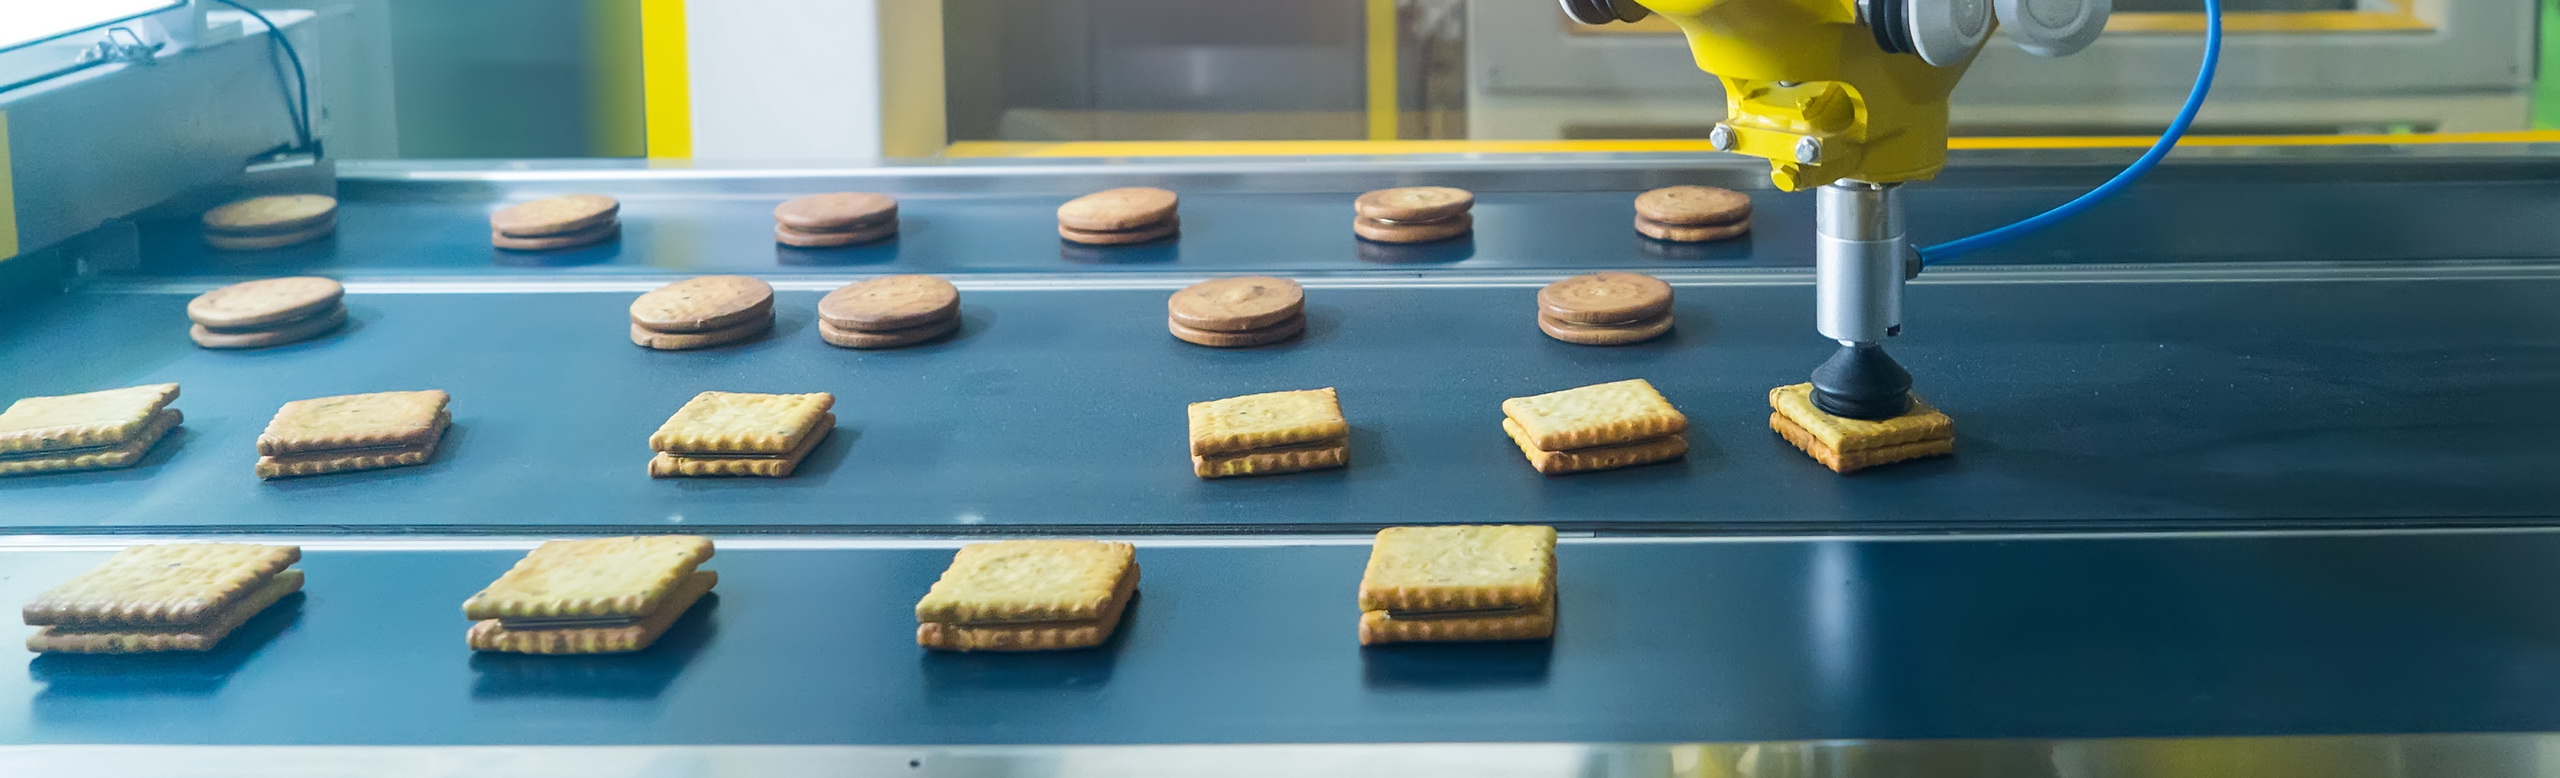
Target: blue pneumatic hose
[{"x": 2122, "y": 181}]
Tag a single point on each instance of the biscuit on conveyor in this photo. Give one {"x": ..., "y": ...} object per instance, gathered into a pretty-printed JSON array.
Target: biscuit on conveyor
[
  {"x": 266, "y": 312},
  {"x": 1597, "y": 427},
  {"x": 598, "y": 596},
  {"x": 889, "y": 312},
  {"x": 1693, "y": 214},
  {"x": 89, "y": 431},
  {"x": 552, "y": 223},
  {"x": 353, "y": 432},
  {"x": 835, "y": 219},
  {"x": 1269, "y": 434},
  {"x": 1028, "y": 595},
  {"x": 1237, "y": 312},
  {"x": 1848, "y": 445},
  {"x": 702, "y": 312},
  {"x": 739, "y": 434},
  {"x": 1414, "y": 214},
  {"x": 1605, "y": 309},
  {"x": 1119, "y": 217},
  {"x": 273, "y": 221},
  {"x": 1462, "y": 583},
  {"x": 177, "y": 597}
]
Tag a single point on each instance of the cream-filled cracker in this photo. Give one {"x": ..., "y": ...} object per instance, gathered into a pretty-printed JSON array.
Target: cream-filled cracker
[
  {"x": 1273, "y": 432},
  {"x": 175, "y": 597},
  {"x": 1848, "y": 445},
  {"x": 603, "y": 595},
  {"x": 353, "y": 432},
  {"x": 90, "y": 431},
  {"x": 735, "y": 434},
  {"x": 1494, "y": 582},
  {"x": 1028, "y": 595},
  {"x": 1597, "y": 427}
]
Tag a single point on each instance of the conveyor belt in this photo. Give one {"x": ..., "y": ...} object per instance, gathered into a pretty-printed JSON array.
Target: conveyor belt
[
  {"x": 1658, "y": 642},
  {"x": 2096, "y": 405}
]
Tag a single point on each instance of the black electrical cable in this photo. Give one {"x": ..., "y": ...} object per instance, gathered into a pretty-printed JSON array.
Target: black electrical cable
[{"x": 300, "y": 118}]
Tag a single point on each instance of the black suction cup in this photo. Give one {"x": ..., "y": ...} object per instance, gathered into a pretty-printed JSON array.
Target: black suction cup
[
  {"x": 1605, "y": 11},
  {"x": 1862, "y": 382}
]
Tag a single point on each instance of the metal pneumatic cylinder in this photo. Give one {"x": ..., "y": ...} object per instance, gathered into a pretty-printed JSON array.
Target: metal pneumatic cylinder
[{"x": 1860, "y": 259}]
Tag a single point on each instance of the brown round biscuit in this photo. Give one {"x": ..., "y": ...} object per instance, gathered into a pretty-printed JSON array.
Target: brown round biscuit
[
  {"x": 686, "y": 341},
  {"x": 551, "y": 216},
  {"x": 1676, "y": 234},
  {"x": 1693, "y": 206},
  {"x": 828, "y": 240},
  {"x": 836, "y": 211},
  {"x": 1605, "y": 334},
  {"x": 1414, "y": 203},
  {"x": 1605, "y": 298},
  {"x": 601, "y": 233},
  {"x": 1413, "y": 232},
  {"x": 864, "y": 339},
  {"x": 271, "y": 215},
  {"x": 265, "y": 301},
  {"x": 1286, "y": 329},
  {"x": 229, "y": 242},
  {"x": 1116, "y": 210},
  {"x": 289, "y": 332},
  {"x": 890, "y": 303},
  {"x": 703, "y": 304},
  {"x": 1240, "y": 304},
  {"x": 1160, "y": 231}
]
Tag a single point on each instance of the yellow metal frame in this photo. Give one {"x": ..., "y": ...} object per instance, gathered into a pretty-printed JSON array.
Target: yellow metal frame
[
  {"x": 2397, "y": 18},
  {"x": 1386, "y": 115},
  {"x": 666, "y": 80}
]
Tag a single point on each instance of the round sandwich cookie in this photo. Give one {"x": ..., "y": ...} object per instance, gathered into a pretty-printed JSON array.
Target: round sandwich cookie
[
  {"x": 1286, "y": 329},
  {"x": 1118, "y": 210},
  {"x": 1160, "y": 231},
  {"x": 1605, "y": 298},
  {"x": 1240, "y": 304},
  {"x": 1674, "y": 234},
  {"x": 601, "y": 233},
  {"x": 890, "y": 303},
  {"x": 264, "y": 302},
  {"x": 704, "y": 304},
  {"x": 552, "y": 216},
  {"x": 1414, "y": 204},
  {"x": 229, "y": 242},
  {"x": 877, "y": 339},
  {"x": 836, "y": 212},
  {"x": 1693, "y": 206},
  {"x": 1605, "y": 334},
  {"x": 274, "y": 335},
  {"x": 1413, "y": 232},
  {"x": 271, "y": 215},
  {"x": 687, "y": 341},
  {"x": 828, "y": 240}
]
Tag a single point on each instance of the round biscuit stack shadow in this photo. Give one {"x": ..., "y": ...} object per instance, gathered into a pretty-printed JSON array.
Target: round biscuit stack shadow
[
  {"x": 1238, "y": 312},
  {"x": 835, "y": 219},
  {"x": 1605, "y": 309},
  {"x": 702, "y": 312},
  {"x": 270, "y": 222},
  {"x": 267, "y": 312},
  {"x": 1693, "y": 214},
  {"x": 1414, "y": 214},
  {"x": 555, "y": 223},
  {"x": 889, "y": 312},
  {"x": 1121, "y": 217}
]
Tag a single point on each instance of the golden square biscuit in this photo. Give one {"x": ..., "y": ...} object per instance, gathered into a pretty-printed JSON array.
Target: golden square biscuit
[
  {"x": 1017, "y": 581},
  {"x": 595, "y": 578},
  {"x": 1268, "y": 420},
  {"x": 351, "y": 460},
  {"x": 1536, "y": 622},
  {"x": 125, "y": 454},
  {"x": 86, "y": 420},
  {"x": 1860, "y": 459},
  {"x": 1921, "y": 423},
  {"x": 1596, "y": 415},
  {"x": 144, "y": 640},
  {"x": 1459, "y": 568},
  {"x": 738, "y": 423},
  {"x": 354, "y": 421},
  {"x": 1033, "y": 636},
  {"x": 172, "y": 585},
  {"x": 1581, "y": 460},
  {"x": 666, "y": 465},
  {"x": 493, "y": 634}
]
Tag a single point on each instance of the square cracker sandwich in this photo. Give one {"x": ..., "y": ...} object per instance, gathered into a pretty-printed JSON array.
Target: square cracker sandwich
[
  {"x": 1848, "y": 445},
  {"x": 1269, "y": 434},
  {"x": 353, "y": 432},
  {"x": 175, "y": 597},
  {"x": 597, "y": 596},
  {"x": 738, "y": 434},
  {"x": 1028, "y": 595},
  {"x": 1597, "y": 427},
  {"x": 89, "y": 431},
  {"x": 1459, "y": 583}
]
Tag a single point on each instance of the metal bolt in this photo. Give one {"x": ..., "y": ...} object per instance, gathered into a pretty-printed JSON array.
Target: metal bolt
[
  {"x": 1721, "y": 137},
  {"x": 1809, "y": 151}
]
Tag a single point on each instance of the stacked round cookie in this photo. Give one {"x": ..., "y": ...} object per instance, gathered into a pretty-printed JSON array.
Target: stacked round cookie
[
  {"x": 1693, "y": 214},
  {"x": 889, "y": 312},
  {"x": 835, "y": 219},
  {"x": 1414, "y": 214},
  {"x": 1120, "y": 217},
  {"x": 268, "y": 312},
  {"x": 1605, "y": 309},
  {"x": 554, "y": 223},
  {"x": 1238, "y": 312},
  {"x": 702, "y": 312},
  {"x": 274, "y": 221}
]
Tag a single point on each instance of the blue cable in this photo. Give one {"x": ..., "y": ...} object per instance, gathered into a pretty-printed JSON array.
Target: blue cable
[{"x": 2122, "y": 181}]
